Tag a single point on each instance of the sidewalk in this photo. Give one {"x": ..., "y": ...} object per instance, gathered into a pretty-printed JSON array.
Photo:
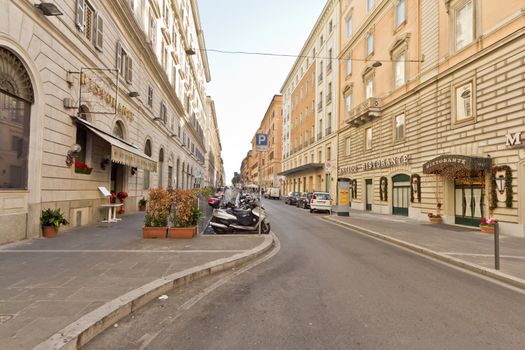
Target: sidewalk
[
  {"x": 462, "y": 246},
  {"x": 47, "y": 284}
]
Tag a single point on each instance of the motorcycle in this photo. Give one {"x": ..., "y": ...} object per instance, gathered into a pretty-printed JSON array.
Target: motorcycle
[{"x": 244, "y": 218}]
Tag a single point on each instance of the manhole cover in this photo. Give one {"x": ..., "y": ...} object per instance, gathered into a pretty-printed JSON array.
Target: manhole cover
[{"x": 5, "y": 318}]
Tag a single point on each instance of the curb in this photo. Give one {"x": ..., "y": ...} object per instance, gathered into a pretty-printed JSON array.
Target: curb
[
  {"x": 481, "y": 270},
  {"x": 80, "y": 332}
]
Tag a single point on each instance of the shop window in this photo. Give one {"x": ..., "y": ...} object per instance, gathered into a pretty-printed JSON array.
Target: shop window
[
  {"x": 400, "y": 127},
  {"x": 90, "y": 23},
  {"x": 368, "y": 138}
]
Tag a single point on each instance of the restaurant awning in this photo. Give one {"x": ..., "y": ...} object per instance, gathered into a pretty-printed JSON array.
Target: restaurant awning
[
  {"x": 450, "y": 163},
  {"x": 305, "y": 167},
  {"x": 122, "y": 152}
]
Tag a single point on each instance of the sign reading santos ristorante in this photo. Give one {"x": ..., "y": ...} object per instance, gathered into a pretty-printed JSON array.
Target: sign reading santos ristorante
[{"x": 374, "y": 164}]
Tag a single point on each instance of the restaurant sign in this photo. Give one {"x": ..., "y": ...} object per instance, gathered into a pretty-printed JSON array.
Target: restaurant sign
[
  {"x": 438, "y": 164},
  {"x": 375, "y": 164}
]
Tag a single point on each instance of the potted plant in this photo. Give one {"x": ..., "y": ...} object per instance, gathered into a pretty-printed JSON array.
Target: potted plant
[
  {"x": 51, "y": 219},
  {"x": 156, "y": 221},
  {"x": 185, "y": 214},
  {"x": 121, "y": 196},
  {"x": 435, "y": 218},
  {"x": 487, "y": 226},
  {"x": 142, "y": 204}
]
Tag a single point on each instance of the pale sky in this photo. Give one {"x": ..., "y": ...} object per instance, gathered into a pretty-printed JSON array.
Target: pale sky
[{"x": 242, "y": 86}]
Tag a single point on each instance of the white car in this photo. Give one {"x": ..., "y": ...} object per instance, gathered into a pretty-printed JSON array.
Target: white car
[{"x": 321, "y": 201}]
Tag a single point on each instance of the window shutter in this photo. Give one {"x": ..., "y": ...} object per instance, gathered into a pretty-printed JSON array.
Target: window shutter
[
  {"x": 98, "y": 36},
  {"x": 129, "y": 69},
  {"x": 119, "y": 57},
  {"x": 79, "y": 18}
]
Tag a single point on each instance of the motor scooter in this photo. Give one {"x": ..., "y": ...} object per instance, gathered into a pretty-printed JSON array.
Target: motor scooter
[{"x": 240, "y": 219}]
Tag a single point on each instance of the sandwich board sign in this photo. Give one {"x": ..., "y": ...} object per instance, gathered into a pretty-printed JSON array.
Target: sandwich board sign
[{"x": 261, "y": 142}]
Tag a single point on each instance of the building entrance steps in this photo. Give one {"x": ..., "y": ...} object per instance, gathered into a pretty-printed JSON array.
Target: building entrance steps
[
  {"x": 461, "y": 246},
  {"x": 48, "y": 284}
]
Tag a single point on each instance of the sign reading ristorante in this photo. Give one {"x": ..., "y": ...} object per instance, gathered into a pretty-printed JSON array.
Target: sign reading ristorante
[{"x": 374, "y": 164}]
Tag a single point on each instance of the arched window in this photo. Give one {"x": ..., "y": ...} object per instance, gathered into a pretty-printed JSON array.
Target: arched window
[
  {"x": 147, "y": 151},
  {"x": 118, "y": 130},
  {"x": 16, "y": 98},
  {"x": 161, "y": 166}
]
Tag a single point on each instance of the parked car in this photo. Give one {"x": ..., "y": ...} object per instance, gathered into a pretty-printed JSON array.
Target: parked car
[
  {"x": 291, "y": 198},
  {"x": 304, "y": 200},
  {"x": 321, "y": 201}
]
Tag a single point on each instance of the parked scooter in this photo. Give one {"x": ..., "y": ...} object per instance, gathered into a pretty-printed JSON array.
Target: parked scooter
[{"x": 245, "y": 218}]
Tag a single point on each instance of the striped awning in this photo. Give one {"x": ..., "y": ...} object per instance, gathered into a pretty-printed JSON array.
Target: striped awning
[{"x": 122, "y": 152}]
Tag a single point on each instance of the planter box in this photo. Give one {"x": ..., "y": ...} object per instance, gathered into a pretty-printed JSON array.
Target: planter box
[
  {"x": 86, "y": 171},
  {"x": 435, "y": 221},
  {"x": 182, "y": 232},
  {"x": 487, "y": 228},
  {"x": 154, "y": 232},
  {"x": 49, "y": 231}
]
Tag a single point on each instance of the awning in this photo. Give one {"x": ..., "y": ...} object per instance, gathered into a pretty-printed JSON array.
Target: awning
[
  {"x": 450, "y": 163},
  {"x": 122, "y": 152},
  {"x": 305, "y": 167}
]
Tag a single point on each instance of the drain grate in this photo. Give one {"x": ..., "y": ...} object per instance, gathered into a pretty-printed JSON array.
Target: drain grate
[{"x": 5, "y": 318}]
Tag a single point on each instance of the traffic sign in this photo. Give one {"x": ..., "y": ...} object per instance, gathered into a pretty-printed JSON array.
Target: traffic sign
[{"x": 261, "y": 142}]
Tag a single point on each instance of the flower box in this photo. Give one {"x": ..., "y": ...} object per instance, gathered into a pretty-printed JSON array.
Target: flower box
[
  {"x": 154, "y": 232},
  {"x": 82, "y": 168},
  {"x": 182, "y": 232},
  {"x": 435, "y": 220},
  {"x": 487, "y": 228}
]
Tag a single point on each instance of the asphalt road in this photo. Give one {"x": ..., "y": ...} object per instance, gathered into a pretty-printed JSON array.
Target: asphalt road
[{"x": 329, "y": 288}]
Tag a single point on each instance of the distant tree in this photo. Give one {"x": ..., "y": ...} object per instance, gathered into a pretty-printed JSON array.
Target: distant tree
[{"x": 236, "y": 178}]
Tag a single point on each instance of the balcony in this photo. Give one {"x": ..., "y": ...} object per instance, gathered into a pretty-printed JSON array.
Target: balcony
[
  {"x": 364, "y": 112},
  {"x": 328, "y": 131},
  {"x": 319, "y": 135}
]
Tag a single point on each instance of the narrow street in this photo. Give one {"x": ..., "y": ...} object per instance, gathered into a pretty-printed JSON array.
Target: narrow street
[{"x": 329, "y": 288}]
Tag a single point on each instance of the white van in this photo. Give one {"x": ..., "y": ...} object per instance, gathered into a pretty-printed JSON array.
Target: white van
[
  {"x": 274, "y": 192},
  {"x": 321, "y": 201}
]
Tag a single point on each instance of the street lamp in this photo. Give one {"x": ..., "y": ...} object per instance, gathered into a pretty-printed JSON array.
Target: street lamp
[
  {"x": 500, "y": 183},
  {"x": 48, "y": 9}
]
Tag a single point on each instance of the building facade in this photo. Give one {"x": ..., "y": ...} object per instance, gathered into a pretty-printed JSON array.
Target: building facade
[
  {"x": 105, "y": 94},
  {"x": 311, "y": 110},
  {"x": 432, "y": 94},
  {"x": 271, "y": 125},
  {"x": 214, "y": 165}
]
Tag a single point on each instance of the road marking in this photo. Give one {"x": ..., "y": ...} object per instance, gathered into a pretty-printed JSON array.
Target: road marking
[
  {"x": 117, "y": 251},
  {"x": 484, "y": 255}
]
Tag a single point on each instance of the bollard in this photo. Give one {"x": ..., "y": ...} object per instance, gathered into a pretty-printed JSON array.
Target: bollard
[{"x": 496, "y": 246}]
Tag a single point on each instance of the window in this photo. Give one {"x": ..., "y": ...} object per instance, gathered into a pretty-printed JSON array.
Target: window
[
  {"x": 347, "y": 146},
  {"x": 348, "y": 102},
  {"x": 464, "y": 25},
  {"x": 124, "y": 63},
  {"x": 463, "y": 102},
  {"x": 368, "y": 138},
  {"x": 89, "y": 22},
  {"x": 399, "y": 70},
  {"x": 400, "y": 127},
  {"x": 369, "y": 5},
  {"x": 152, "y": 30},
  {"x": 329, "y": 153},
  {"x": 118, "y": 130},
  {"x": 400, "y": 12},
  {"x": 150, "y": 96},
  {"x": 349, "y": 66},
  {"x": 320, "y": 156},
  {"x": 369, "y": 87},
  {"x": 349, "y": 28},
  {"x": 147, "y": 151},
  {"x": 330, "y": 26},
  {"x": 369, "y": 44},
  {"x": 163, "y": 112}
]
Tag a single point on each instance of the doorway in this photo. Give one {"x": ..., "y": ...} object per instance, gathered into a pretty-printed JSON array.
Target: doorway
[
  {"x": 400, "y": 194},
  {"x": 117, "y": 178},
  {"x": 469, "y": 200},
  {"x": 369, "y": 194}
]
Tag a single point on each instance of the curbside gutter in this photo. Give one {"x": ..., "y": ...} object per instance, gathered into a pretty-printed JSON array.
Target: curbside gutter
[
  {"x": 80, "y": 332},
  {"x": 478, "y": 269}
]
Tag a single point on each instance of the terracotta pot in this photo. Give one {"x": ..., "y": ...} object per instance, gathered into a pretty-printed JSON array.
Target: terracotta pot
[
  {"x": 142, "y": 208},
  {"x": 154, "y": 232},
  {"x": 182, "y": 232},
  {"x": 487, "y": 229},
  {"x": 436, "y": 221},
  {"x": 49, "y": 231}
]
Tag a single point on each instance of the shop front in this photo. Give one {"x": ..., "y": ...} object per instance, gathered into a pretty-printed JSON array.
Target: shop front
[{"x": 468, "y": 175}]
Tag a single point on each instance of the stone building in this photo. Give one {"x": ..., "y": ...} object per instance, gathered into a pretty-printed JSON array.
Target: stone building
[
  {"x": 100, "y": 93},
  {"x": 310, "y": 110},
  {"x": 214, "y": 165},
  {"x": 432, "y": 105}
]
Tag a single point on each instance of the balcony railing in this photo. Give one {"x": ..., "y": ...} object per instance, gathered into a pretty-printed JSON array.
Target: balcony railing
[
  {"x": 364, "y": 112},
  {"x": 328, "y": 131}
]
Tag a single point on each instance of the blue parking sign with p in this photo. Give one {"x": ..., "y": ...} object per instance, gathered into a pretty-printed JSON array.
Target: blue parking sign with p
[{"x": 261, "y": 142}]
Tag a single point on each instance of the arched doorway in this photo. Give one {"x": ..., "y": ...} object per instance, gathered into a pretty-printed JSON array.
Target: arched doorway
[
  {"x": 118, "y": 172},
  {"x": 400, "y": 194},
  {"x": 16, "y": 98},
  {"x": 161, "y": 166}
]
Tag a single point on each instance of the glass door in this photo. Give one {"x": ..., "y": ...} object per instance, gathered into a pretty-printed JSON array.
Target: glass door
[
  {"x": 469, "y": 202},
  {"x": 369, "y": 194},
  {"x": 400, "y": 194}
]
